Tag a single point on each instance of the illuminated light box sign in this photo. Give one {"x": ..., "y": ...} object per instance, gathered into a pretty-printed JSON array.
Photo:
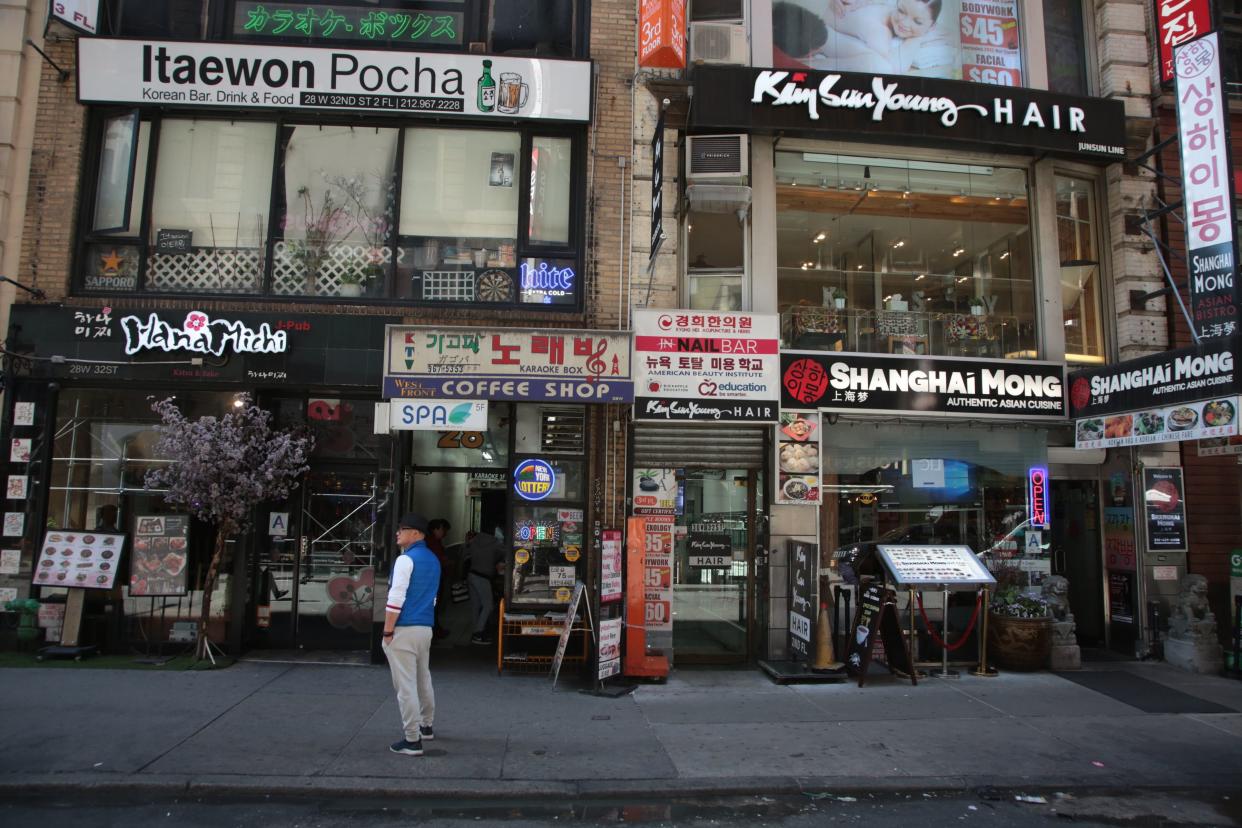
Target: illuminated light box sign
[
  {"x": 537, "y": 532},
  {"x": 201, "y": 334},
  {"x": 437, "y": 415},
  {"x": 546, "y": 283},
  {"x": 324, "y": 25},
  {"x": 1039, "y": 499},
  {"x": 533, "y": 480}
]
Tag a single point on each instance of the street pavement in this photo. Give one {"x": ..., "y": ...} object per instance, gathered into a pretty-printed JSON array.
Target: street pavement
[{"x": 285, "y": 728}]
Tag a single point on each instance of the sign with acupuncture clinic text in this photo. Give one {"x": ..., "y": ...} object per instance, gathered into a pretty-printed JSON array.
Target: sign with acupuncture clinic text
[
  {"x": 518, "y": 364},
  {"x": 242, "y": 76}
]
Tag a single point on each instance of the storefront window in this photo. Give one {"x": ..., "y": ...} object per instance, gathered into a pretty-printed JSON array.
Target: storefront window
[
  {"x": 1080, "y": 270},
  {"x": 104, "y": 447},
  {"x": 929, "y": 484},
  {"x": 715, "y": 260},
  {"x": 211, "y": 200},
  {"x": 337, "y": 187},
  {"x": 1065, "y": 42},
  {"x": 446, "y": 221},
  {"x": 466, "y": 449},
  {"x": 892, "y": 256}
]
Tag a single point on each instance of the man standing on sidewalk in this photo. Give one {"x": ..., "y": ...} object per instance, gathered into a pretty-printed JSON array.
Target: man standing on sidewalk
[{"x": 408, "y": 619}]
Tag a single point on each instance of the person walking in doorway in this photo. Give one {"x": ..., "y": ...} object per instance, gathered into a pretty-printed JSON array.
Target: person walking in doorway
[
  {"x": 484, "y": 553},
  {"x": 437, "y": 528},
  {"x": 408, "y": 619}
]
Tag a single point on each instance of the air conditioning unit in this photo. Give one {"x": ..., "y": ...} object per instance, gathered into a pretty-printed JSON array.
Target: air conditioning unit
[
  {"x": 715, "y": 157},
  {"x": 719, "y": 43}
]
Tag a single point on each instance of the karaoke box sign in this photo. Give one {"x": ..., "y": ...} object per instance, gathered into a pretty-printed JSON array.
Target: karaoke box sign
[{"x": 519, "y": 364}]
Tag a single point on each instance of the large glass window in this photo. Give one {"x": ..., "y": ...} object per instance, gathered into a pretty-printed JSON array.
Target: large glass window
[
  {"x": 211, "y": 200},
  {"x": 894, "y": 256},
  {"x": 1065, "y": 42},
  {"x": 1080, "y": 270},
  {"x": 436, "y": 215},
  {"x": 715, "y": 260}
]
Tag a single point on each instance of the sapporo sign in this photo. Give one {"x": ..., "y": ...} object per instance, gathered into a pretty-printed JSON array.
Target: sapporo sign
[
  {"x": 885, "y": 107},
  {"x": 883, "y": 384},
  {"x": 243, "y": 76},
  {"x": 517, "y": 364}
]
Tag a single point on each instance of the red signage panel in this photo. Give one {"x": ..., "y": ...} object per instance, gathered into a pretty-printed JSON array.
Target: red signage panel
[{"x": 662, "y": 34}]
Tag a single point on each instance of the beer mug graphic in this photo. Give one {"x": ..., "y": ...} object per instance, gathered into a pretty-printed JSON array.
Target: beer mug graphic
[{"x": 512, "y": 93}]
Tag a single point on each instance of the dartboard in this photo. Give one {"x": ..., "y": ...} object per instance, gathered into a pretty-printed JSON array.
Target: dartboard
[{"x": 495, "y": 286}]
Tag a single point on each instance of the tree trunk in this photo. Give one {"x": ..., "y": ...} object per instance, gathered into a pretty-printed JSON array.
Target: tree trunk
[{"x": 223, "y": 532}]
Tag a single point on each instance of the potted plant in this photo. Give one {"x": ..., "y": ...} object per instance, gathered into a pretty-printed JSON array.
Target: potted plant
[
  {"x": 1019, "y": 624},
  {"x": 976, "y": 306},
  {"x": 838, "y": 298},
  {"x": 351, "y": 282}
]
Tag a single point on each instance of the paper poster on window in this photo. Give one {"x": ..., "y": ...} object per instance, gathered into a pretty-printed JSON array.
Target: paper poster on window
[
  {"x": 19, "y": 450},
  {"x": 502, "y": 170},
  {"x": 965, "y": 40},
  {"x": 14, "y": 524},
  {"x": 23, "y": 414},
  {"x": 10, "y": 561},
  {"x": 18, "y": 486}
]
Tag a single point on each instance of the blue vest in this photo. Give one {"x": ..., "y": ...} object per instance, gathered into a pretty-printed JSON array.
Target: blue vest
[{"x": 419, "y": 609}]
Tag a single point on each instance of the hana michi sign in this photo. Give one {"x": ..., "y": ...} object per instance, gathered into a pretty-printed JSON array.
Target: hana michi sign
[{"x": 201, "y": 334}]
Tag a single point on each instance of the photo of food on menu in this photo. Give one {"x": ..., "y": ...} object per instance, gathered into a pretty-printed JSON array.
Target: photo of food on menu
[
  {"x": 798, "y": 457},
  {"x": 161, "y": 550},
  {"x": 72, "y": 558}
]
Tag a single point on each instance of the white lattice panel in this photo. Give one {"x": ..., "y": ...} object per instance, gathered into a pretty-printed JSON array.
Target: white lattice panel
[
  {"x": 448, "y": 285},
  {"x": 289, "y": 272},
  {"x": 207, "y": 270}
]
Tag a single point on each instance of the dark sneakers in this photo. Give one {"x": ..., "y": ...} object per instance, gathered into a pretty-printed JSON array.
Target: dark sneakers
[
  {"x": 480, "y": 639},
  {"x": 426, "y": 733},
  {"x": 407, "y": 747}
]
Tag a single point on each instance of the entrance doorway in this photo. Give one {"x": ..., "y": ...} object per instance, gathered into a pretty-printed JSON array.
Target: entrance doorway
[
  {"x": 316, "y": 584},
  {"x": 713, "y": 566},
  {"x": 1077, "y": 554}
]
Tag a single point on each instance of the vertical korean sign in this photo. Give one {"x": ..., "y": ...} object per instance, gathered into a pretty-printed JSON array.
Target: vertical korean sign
[
  {"x": 1207, "y": 186},
  {"x": 1178, "y": 22},
  {"x": 657, "y": 188}
]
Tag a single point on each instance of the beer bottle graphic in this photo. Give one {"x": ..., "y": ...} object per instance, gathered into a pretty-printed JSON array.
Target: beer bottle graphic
[{"x": 487, "y": 88}]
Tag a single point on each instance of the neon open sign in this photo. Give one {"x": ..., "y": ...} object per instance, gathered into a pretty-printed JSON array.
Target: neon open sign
[{"x": 1038, "y": 498}]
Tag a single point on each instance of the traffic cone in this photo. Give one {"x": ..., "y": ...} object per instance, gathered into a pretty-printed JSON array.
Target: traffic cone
[{"x": 824, "y": 660}]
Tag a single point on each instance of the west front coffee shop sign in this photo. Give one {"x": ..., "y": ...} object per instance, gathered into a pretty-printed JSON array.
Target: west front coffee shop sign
[
  {"x": 242, "y": 76},
  {"x": 516, "y": 364},
  {"x": 741, "y": 98},
  {"x": 944, "y": 386}
]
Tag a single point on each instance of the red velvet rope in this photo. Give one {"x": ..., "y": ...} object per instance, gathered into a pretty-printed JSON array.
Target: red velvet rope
[{"x": 974, "y": 616}]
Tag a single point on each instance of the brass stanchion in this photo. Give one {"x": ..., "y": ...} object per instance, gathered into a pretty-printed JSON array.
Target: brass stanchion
[{"x": 983, "y": 669}]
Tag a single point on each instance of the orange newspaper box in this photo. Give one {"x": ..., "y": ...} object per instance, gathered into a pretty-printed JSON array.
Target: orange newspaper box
[
  {"x": 662, "y": 34},
  {"x": 644, "y": 575}
]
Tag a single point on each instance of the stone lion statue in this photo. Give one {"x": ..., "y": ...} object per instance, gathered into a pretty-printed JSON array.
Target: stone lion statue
[
  {"x": 1191, "y": 615},
  {"x": 1056, "y": 593}
]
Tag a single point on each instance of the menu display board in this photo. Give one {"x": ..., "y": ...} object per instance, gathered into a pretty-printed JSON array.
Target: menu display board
[
  {"x": 1188, "y": 421},
  {"x": 1165, "y": 499},
  {"x": 935, "y": 566},
  {"x": 1218, "y": 446},
  {"x": 158, "y": 563},
  {"x": 797, "y": 458},
  {"x": 72, "y": 558}
]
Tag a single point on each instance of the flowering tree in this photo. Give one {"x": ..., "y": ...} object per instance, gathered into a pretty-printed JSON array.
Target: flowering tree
[{"x": 221, "y": 468}]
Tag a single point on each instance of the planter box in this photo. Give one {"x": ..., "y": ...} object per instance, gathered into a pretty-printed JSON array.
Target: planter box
[{"x": 1019, "y": 643}]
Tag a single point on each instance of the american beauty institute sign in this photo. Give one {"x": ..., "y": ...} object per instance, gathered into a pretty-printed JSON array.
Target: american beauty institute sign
[{"x": 239, "y": 76}]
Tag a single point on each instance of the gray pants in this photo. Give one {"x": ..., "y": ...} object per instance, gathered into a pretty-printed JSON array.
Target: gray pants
[
  {"x": 480, "y": 601},
  {"x": 408, "y": 655}
]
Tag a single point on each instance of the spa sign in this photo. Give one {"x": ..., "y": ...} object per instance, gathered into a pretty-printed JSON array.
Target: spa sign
[
  {"x": 242, "y": 76},
  {"x": 517, "y": 364},
  {"x": 882, "y": 107},
  {"x": 945, "y": 386}
]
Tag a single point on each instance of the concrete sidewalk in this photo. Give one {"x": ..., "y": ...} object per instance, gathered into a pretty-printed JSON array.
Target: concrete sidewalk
[{"x": 277, "y": 728}]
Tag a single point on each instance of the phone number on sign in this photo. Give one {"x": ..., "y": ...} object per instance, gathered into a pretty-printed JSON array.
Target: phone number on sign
[{"x": 401, "y": 102}]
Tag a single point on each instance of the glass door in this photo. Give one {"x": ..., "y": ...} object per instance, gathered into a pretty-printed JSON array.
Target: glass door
[
  {"x": 713, "y": 581},
  {"x": 315, "y": 585}
]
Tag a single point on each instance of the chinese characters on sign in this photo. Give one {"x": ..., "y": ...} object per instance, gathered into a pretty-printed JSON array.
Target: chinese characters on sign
[
  {"x": 1207, "y": 186},
  {"x": 507, "y": 364},
  {"x": 706, "y": 367},
  {"x": 325, "y": 24},
  {"x": 1178, "y": 22},
  {"x": 1164, "y": 496}
]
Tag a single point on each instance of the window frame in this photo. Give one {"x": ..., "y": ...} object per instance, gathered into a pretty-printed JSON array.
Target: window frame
[{"x": 573, "y": 250}]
